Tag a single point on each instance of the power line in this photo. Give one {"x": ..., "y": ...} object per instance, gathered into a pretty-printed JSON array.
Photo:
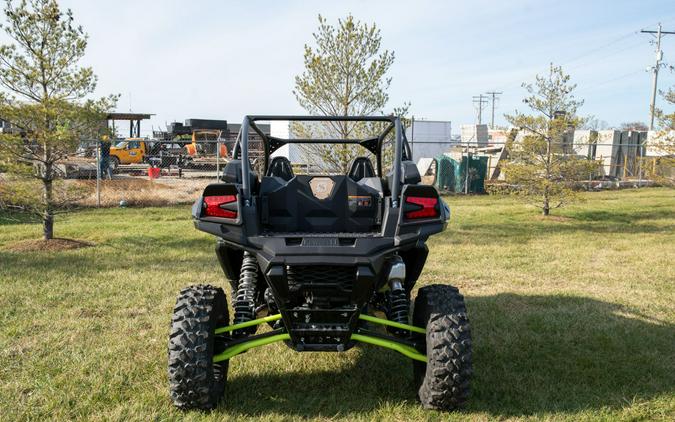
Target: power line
[
  {"x": 587, "y": 53},
  {"x": 659, "y": 57},
  {"x": 602, "y": 47},
  {"x": 494, "y": 95},
  {"x": 607, "y": 81},
  {"x": 604, "y": 55},
  {"x": 481, "y": 100}
]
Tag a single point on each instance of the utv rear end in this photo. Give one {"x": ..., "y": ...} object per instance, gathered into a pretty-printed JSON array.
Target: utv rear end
[{"x": 326, "y": 262}]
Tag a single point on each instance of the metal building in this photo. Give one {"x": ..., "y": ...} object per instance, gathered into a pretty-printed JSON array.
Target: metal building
[{"x": 428, "y": 138}]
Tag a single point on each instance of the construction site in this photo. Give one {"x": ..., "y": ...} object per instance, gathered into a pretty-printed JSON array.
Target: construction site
[
  {"x": 624, "y": 158},
  {"x": 173, "y": 165},
  {"x": 169, "y": 167}
]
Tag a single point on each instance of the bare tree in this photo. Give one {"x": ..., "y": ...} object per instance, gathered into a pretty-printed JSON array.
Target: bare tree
[{"x": 634, "y": 126}]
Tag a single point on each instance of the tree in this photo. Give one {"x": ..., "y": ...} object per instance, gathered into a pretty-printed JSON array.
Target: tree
[
  {"x": 593, "y": 123},
  {"x": 667, "y": 123},
  {"x": 540, "y": 165},
  {"x": 663, "y": 171},
  {"x": 45, "y": 100},
  {"x": 641, "y": 126},
  {"x": 345, "y": 75}
]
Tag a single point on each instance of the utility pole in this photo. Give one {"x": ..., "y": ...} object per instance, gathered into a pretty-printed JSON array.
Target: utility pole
[
  {"x": 493, "y": 94},
  {"x": 481, "y": 100},
  {"x": 659, "y": 56}
]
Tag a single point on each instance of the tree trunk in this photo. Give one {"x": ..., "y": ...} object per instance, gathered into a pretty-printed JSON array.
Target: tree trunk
[
  {"x": 545, "y": 209},
  {"x": 48, "y": 213},
  {"x": 547, "y": 200},
  {"x": 48, "y": 226}
]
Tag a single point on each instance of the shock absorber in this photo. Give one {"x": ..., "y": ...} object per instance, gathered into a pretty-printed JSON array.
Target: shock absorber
[
  {"x": 398, "y": 306},
  {"x": 244, "y": 297}
]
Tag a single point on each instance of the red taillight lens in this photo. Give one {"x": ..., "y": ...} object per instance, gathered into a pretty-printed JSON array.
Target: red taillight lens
[
  {"x": 429, "y": 207},
  {"x": 213, "y": 204}
]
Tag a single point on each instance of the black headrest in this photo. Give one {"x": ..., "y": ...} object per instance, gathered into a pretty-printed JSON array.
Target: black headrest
[
  {"x": 232, "y": 174},
  {"x": 409, "y": 174},
  {"x": 361, "y": 167},
  {"x": 280, "y": 167}
]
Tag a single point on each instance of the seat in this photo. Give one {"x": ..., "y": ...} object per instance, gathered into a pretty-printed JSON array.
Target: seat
[
  {"x": 361, "y": 168},
  {"x": 292, "y": 206},
  {"x": 409, "y": 176},
  {"x": 232, "y": 174},
  {"x": 280, "y": 167}
]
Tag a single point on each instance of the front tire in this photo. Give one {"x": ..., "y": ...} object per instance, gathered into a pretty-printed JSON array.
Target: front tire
[
  {"x": 196, "y": 382},
  {"x": 443, "y": 382}
]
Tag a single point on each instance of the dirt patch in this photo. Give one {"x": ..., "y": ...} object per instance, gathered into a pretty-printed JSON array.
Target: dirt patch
[
  {"x": 52, "y": 245},
  {"x": 143, "y": 192}
]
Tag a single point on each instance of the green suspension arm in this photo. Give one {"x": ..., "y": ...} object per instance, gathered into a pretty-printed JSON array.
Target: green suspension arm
[
  {"x": 390, "y": 344},
  {"x": 404, "y": 349},
  {"x": 251, "y": 323},
  {"x": 242, "y": 347},
  {"x": 392, "y": 324}
]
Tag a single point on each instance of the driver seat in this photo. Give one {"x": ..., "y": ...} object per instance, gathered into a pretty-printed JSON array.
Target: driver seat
[
  {"x": 280, "y": 167},
  {"x": 361, "y": 168}
]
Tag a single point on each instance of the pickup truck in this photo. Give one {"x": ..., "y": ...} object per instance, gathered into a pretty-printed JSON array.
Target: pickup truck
[
  {"x": 140, "y": 150},
  {"x": 128, "y": 151}
]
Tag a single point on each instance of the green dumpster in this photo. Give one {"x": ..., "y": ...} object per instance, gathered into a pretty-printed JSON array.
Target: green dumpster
[{"x": 451, "y": 174}]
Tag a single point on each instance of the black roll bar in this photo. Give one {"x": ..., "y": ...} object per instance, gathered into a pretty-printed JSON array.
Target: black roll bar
[
  {"x": 397, "y": 164},
  {"x": 249, "y": 121},
  {"x": 245, "y": 170}
]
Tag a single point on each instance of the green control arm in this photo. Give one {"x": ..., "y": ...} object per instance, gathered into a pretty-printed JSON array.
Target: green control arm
[{"x": 404, "y": 349}]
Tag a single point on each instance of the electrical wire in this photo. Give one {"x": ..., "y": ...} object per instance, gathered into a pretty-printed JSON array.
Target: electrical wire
[
  {"x": 608, "y": 81},
  {"x": 586, "y": 54}
]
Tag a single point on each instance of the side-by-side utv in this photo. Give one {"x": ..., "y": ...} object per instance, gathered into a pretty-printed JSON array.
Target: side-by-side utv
[{"x": 326, "y": 261}]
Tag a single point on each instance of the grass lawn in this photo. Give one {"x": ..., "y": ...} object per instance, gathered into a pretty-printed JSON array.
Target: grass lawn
[{"x": 573, "y": 318}]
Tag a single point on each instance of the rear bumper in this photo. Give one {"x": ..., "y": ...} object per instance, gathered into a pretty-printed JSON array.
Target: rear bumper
[{"x": 294, "y": 250}]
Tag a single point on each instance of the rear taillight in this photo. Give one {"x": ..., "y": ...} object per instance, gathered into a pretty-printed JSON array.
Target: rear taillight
[
  {"x": 429, "y": 207},
  {"x": 214, "y": 206}
]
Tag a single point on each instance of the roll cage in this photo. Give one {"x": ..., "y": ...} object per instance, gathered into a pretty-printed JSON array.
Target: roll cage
[{"x": 373, "y": 144}]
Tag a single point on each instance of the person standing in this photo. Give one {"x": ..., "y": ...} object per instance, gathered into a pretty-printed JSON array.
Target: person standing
[{"x": 104, "y": 157}]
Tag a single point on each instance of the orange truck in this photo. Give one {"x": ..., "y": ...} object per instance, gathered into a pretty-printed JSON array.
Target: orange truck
[
  {"x": 128, "y": 151},
  {"x": 141, "y": 150},
  {"x": 203, "y": 145}
]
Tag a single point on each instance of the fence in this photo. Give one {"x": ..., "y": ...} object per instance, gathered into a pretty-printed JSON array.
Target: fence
[
  {"x": 625, "y": 165},
  {"x": 177, "y": 175}
]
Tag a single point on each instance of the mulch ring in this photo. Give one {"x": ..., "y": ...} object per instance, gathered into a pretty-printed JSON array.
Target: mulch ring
[{"x": 52, "y": 245}]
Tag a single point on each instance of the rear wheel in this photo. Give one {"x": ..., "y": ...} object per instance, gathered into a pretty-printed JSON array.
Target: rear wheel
[
  {"x": 195, "y": 381},
  {"x": 443, "y": 382}
]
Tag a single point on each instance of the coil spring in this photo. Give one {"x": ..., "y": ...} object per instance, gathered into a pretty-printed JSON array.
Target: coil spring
[
  {"x": 399, "y": 310},
  {"x": 244, "y": 299}
]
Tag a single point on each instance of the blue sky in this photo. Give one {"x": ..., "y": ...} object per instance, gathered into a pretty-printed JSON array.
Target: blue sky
[{"x": 218, "y": 59}]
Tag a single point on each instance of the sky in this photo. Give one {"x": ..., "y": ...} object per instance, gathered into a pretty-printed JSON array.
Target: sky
[{"x": 225, "y": 59}]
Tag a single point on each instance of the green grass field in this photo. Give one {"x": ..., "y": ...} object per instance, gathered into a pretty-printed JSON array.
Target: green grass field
[{"x": 573, "y": 318}]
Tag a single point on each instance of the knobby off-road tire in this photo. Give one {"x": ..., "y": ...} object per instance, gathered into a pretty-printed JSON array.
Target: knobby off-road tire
[
  {"x": 443, "y": 382},
  {"x": 195, "y": 381}
]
